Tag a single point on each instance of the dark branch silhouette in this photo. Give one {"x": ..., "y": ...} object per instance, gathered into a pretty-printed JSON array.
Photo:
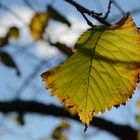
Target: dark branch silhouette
[{"x": 124, "y": 132}]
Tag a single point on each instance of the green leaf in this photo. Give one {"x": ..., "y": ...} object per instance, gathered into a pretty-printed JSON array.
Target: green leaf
[
  {"x": 7, "y": 60},
  {"x": 103, "y": 72},
  {"x": 54, "y": 14},
  {"x": 38, "y": 25}
]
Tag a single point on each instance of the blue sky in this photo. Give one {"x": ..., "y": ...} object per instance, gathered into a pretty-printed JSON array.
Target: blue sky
[{"x": 39, "y": 126}]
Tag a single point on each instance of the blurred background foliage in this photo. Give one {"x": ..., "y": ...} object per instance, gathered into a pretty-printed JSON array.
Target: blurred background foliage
[{"x": 36, "y": 36}]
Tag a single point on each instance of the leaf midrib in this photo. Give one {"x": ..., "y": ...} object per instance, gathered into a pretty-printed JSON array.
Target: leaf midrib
[{"x": 91, "y": 60}]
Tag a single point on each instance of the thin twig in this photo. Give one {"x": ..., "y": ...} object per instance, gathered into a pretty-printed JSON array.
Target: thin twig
[
  {"x": 119, "y": 7},
  {"x": 28, "y": 80},
  {"x": 108, "y": 9},
  {"x": 87, "y": 20},
  {"x": 14, "y": 14},
  {"x": 88, "y": 12},
  {"x": 23, "y": 49},
  {"x": 29, "y": 5}
]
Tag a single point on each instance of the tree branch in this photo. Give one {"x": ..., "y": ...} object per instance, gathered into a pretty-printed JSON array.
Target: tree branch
[{"x": 123, "y": 132}]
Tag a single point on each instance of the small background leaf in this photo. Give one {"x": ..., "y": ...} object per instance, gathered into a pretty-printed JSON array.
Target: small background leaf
[
  {"x": 13, "y": 33},
  {"x": 7, "y": 60},
  {"x": 54, "y": 14},
  {"x": 58, "y": 131},
  {"x": 38, "y": 24}
]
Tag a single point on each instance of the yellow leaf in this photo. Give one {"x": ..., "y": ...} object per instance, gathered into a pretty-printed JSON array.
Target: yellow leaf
[
  {"x": 38, "y": 24},
  {"x": 103, "y": 72}
]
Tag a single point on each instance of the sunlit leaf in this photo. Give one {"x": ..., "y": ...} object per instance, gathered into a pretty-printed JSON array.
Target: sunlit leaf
[
  {"x": 7, "y": 60},
  {"x": 54, "y": 14},
  {"x": 38, "y": 24},
  {"x": 103, "y": 72},
  {"x": 13, "y": 33}
]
